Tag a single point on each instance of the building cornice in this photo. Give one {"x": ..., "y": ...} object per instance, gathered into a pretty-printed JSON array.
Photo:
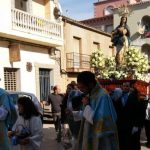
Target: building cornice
[
  {"x": 108, "y": 17},
  {"x": 23, "y": 42}
]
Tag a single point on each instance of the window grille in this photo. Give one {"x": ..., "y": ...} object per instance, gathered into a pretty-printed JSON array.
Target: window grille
[{"x": 10, "y": 79}]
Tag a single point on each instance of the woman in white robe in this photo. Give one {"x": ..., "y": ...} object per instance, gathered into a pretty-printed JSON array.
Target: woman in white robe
[{"x": 28, "y": 118}]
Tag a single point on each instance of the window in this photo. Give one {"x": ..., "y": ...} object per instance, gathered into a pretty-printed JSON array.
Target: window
[
  {"x": 102, "y": 27},
  {"x": 96, "y": 46},
  {"x": 76, "y": 51},
  {"x": 24, "y": 5},
  {"x": 146, "y": 50},
  {"x": 10, "y": 79},
  {"x": 76, "y": 45},
  {"x": 44, "y": 75},
  {"x": 21, "y": 4},
  {"x": 146, "y": 24},
  {"x": 108, "y": 10},
  {"x": 109, "y": 28}
]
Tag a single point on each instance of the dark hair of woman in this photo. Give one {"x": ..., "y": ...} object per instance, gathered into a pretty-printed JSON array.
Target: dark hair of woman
[
  {"x": 29, "y": 108},
  {"x": 86, "y": 78}
]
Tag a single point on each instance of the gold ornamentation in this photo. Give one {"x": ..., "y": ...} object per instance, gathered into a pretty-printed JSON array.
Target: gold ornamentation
[{"x": 124, "y": 11}]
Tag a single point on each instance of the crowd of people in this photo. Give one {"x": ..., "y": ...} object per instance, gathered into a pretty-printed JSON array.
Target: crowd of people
[{"x": 97, "y": 120}]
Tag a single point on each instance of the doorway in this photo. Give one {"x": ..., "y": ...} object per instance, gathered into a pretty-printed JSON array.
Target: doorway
[{"x": 44, "y": 77}]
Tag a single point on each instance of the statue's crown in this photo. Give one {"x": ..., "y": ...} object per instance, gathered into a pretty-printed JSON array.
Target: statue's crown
[{"x": 124, "y": 11}]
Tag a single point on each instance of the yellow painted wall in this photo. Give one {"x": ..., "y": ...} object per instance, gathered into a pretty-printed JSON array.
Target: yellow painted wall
[{"x": 87, "y": 38}]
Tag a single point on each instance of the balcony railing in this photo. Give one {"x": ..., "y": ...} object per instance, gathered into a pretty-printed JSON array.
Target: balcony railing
[
  {"x": 28, "y": 23},
  {"x": 77, "y": 62}
]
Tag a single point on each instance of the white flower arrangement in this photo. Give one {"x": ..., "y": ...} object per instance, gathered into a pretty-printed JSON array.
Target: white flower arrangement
[
  {"x": 136, "y": 65},
  {"x": 137, "y": 61}
]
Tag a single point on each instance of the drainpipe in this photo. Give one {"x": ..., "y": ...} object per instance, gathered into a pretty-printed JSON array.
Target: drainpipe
[{"x": 53, "y": 55}]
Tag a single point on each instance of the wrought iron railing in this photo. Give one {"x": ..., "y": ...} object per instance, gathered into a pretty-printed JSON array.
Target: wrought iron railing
[
  {"x": 28, "y": 23},
  {"x": 77, "y": 60}
]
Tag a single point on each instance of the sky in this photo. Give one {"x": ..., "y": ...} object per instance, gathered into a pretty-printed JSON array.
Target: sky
[{"x": 78, "y": 9}]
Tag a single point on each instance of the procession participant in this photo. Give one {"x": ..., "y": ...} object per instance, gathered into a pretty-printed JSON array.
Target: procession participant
[
  {"x": 8, "y": 117},
  {"x": 27, "y": 131},
  {"x": 98, "y": 128},
  {"x": 55, "y": 100}
]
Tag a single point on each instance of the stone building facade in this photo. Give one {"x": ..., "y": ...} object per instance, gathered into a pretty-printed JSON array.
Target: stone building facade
[{"x": 80, "y": 41}]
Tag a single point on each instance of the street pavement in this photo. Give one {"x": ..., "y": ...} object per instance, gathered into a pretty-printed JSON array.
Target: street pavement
[
  {"x": 49, "y": 142},
  {"x": 49, "y": 136}
]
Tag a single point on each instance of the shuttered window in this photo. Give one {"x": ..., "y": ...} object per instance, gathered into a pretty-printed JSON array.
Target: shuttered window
[
  {"x": 96, "y": 46},
  {"x": 10, "y": 79},
  {"x": 76, "y": 51},
  {"x": 109, "y": 28},
  {"x": 76, "y": 45}
]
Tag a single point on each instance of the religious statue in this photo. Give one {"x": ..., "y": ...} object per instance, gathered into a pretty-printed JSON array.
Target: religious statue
[
  {"x": 121, "y": 40},
  {"x": 121, "y": 36}
]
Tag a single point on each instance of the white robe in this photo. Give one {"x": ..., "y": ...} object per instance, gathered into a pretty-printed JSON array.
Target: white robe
[{"x": 35, "y": 126}]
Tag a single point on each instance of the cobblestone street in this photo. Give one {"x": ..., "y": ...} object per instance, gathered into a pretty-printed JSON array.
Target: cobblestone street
[{"x": 49, "y": 142}]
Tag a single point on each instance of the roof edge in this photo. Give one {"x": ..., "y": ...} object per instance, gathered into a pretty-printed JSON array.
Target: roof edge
[
  {"x": 99, "y": 18},
  {"x": 78, "y": 23}
]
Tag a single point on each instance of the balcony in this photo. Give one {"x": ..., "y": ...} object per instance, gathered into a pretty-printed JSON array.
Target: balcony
[
  {"x": 77, "y": 62},
  {"x": 34, "y": 29}
]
